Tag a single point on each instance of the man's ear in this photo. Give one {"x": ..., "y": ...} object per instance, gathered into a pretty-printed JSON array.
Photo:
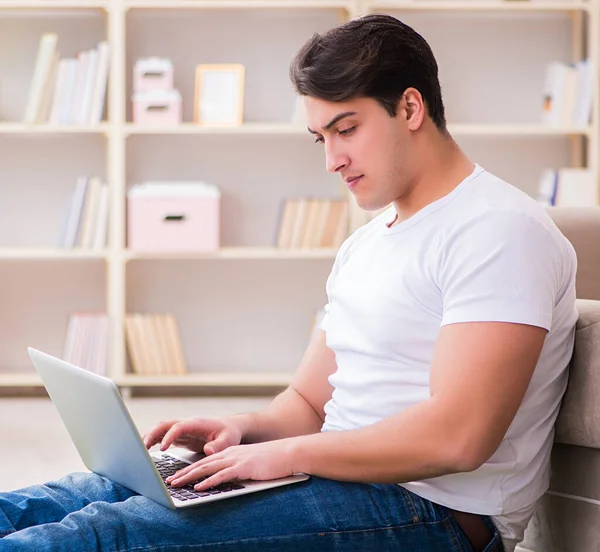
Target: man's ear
[{"x": 412, "y": 108}]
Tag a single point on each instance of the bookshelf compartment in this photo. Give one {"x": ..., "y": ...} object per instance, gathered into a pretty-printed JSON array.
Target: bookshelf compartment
[
  {"x": 253, "y": 183},
  {"x": 77, "y": 29},
  {"x": 38, "y": 175},
  {"x": 501, "y": 80},
  {"x": 529, "y": 157},
  {"x": 228, "y": 36},
  {"x": 37, "y": 299},
  {"x": 239, "y": 316}
]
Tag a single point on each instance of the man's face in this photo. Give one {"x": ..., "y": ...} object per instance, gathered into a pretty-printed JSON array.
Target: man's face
[{"x": 367, "y": 147}]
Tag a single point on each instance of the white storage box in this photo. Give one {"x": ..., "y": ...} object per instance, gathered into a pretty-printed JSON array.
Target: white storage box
[
  {"x": 152, "y": 73},
  {"x": 173, "y": 217}
]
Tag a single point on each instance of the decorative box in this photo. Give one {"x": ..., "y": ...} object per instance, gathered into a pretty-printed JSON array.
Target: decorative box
[
  {"x": 157, "y": 107},
  {"x": 173, "y": 217},
  {"x": 152, "y": 73}
]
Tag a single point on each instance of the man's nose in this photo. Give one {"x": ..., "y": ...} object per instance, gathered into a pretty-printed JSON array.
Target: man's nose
[{"x": 335, "y": 161}]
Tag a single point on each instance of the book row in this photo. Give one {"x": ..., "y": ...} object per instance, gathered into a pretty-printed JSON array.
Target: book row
[{"x": 67, "y": 91}]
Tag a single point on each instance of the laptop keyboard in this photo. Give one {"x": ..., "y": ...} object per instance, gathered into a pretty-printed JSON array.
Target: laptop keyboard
[{"x": 167, "y": 465}]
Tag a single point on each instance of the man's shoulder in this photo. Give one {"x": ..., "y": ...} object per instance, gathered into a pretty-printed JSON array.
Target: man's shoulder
[{"x": 494, "y": 203}]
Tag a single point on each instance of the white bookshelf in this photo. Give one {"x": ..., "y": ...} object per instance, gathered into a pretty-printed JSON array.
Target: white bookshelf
[{"x": 244, "y": 322}]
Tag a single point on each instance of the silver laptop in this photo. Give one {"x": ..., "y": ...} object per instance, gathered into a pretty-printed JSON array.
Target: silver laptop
[{"x": 110, "y": 445}]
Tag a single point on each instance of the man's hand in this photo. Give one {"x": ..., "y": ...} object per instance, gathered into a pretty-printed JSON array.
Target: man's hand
[
  {"x": 196, "y": 434},
  {"x": 259, "y": 461}
]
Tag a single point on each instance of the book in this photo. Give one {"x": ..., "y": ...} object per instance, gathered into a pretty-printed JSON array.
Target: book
[
  {"x": 312, "y": 223},
  {"x": 41, "y": 74},
  {"x": 567, "y": 94},
  {"x": 154, "y": 344},
  {"x": 99, "y": 89},
  {"x": 567, "y": 187},
  {"x": 87, "y": 341}
]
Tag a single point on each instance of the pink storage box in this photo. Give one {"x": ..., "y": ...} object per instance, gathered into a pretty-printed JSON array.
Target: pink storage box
[
  {"x": 152, "y": 73},
  {"x": 173, "y": 217},
  {"x": 157, "y": 107}
]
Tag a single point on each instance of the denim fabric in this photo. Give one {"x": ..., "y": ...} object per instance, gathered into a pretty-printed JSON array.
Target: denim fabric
[{"x": 86, "y": 512}]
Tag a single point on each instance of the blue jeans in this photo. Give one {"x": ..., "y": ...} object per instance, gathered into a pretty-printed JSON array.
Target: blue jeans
[{"x": 88, "y": 512}]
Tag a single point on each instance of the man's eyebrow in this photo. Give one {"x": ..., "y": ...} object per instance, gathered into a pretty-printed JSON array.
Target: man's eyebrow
[{"x": 336, "y": 119}]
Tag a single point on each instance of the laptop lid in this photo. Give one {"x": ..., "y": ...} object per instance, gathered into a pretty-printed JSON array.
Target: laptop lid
[{"x": 100, "y": 426}]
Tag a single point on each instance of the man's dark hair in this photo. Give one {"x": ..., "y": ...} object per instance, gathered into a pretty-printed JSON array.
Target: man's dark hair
[{"x": 375, "y": 56}]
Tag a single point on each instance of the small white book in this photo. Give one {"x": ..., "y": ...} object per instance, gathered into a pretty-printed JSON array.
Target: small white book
[
  {"x": 41, "y": 74},
  {"x": 99, "y": 89}
]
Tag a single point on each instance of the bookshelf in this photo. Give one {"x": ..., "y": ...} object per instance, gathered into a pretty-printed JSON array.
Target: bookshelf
[{"x": 245, "y": 311}]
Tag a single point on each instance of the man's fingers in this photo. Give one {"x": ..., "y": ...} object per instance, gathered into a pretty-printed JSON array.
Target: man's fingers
[
  {"x": 156, "y": 434},
  {"x": 182, "y": 472},
  {"x": 175, "y": 431},
  {"x": 217, "y": 445},
  {"x": 198, "y": 471},
  {"x": 196, "y": 428},
  {"x": 193, "y": 428},
  {"x": 222, "y": 476}
]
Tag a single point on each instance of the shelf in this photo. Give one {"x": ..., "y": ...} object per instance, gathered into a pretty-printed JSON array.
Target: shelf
[
  {"x": 247, "y": 128},
  {"x": 507, "y": 5},
  {"x": 15, "y": 379},
  {"x": 231, "y": 379},
  {"x": 22, "y": 128},
  {"x": 284, "y": 129},
  {"x": 238, "y": 4},
  {"x": 240, "y": 253},
  {"x": 50, "y": 254},
  {"x": 52, "y": 4},
  {"x": 515, "y": 130},
  {"x": 215, "y": 379}
]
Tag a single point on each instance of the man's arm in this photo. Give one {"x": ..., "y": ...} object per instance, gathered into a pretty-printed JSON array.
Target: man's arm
[
  {"x": 479, "y": 376},
  {"x": 299, "y": 409}
]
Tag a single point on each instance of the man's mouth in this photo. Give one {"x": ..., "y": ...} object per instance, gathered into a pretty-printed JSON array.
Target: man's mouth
[{"x": 353, "y": 181}]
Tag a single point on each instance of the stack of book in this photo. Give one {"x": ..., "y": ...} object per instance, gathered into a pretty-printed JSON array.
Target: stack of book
[
  {"x": 568, "y": 91},
  {"x": 86, "y": 222},
  {"x": 154, "y": 345},
  {"x": 312, "y": 223},
  {"x": 68, "y": 91},
  {"x": 568, "y": 187},
  {"x": 86, "y": 344}
]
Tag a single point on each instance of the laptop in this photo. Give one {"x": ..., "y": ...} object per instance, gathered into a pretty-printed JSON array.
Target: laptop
[{"x": 110, "y": 445}]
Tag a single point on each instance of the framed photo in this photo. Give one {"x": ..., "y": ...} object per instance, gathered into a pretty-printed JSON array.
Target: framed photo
[{"x": 219, "y": 94}]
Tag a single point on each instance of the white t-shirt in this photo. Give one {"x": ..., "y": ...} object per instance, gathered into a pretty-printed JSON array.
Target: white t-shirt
[{"x": 484, "y": 252}]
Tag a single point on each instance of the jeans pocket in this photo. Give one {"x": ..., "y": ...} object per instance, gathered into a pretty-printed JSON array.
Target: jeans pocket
[
  {"x": 495, "y": 544},
  {"x": 410, "y": 504}
]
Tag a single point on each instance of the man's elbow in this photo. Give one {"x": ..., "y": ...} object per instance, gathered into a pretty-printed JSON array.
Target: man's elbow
[{"x": 469, "y": 453}]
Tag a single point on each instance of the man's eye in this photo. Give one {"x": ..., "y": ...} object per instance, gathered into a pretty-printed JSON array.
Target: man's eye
[
  {"x": 347, "y": 131},
  {"x": 319, "y": 140}
]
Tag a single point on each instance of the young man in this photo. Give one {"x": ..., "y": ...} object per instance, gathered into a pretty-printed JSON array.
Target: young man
[{"x": 425, "y": 407}]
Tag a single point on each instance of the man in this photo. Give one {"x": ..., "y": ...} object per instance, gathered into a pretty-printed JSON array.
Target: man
[{"x": 424, "y": 408}]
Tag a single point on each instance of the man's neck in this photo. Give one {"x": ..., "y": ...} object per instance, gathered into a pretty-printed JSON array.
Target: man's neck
[{"x": 446, "y": 166}]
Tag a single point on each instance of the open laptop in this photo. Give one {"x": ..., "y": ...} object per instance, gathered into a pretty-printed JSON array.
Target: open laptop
[{"x": 110, "y": 445}]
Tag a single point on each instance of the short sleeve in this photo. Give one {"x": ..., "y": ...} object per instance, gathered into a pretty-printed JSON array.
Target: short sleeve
[{"x": 500, "y": 267}]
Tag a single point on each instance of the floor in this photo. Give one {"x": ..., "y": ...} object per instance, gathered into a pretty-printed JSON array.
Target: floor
[{"x": 41, "y": 449}]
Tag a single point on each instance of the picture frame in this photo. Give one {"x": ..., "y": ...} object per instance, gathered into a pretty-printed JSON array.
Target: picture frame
[{"x": 219, "y": 94}]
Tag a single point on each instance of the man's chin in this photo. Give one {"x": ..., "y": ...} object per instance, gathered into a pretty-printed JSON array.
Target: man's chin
[{"x": 369, "y": 203}]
